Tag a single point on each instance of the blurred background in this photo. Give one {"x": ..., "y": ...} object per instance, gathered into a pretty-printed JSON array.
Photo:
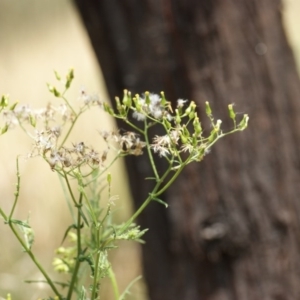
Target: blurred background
[{"x": 36, "y": 38}]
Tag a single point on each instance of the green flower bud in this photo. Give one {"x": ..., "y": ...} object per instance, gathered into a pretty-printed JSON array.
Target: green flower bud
[
  {"x": 244, "y": 123},
  {"x": 191, "y": 108},
  {"x": 218, "y": 125},
  {"x": 127, "y": 101},
  {"x": 231, "y": 112},
  {"x": 185, "y": 132},
  {"x": 53, "y": 90},
  {"x": 118, "y": 103},
  {"x": 166, "y": 123},
  {"x": 57, "y": 76},
  {"x": 147, "y": 98},
  {"x": 208, "y": 109},
  {"x": 4, "y": 129},
  {"x": 197, "y": 126},
  {"x": 32, "y": 120},
  {"x": 183, "y": 139},
  {"x": 177, "y": 118},
  {"x": 4, "y": 101},
  {"x": 163, "y": 98},
  {"x": 108, "y": 109},
  {"x": 192, "y": 115},
  {"x": 69, "y": 77},
  {"x": 14, "y": 106}
]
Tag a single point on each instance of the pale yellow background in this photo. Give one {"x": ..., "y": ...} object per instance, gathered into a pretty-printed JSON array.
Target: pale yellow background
[{"x": 37, "y": 36}]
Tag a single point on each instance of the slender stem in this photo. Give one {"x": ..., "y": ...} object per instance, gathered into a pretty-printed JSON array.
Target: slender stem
[
  {"x": 136, "y": 214},
  {"x": 113, "y": 280},
  {"x": 92, "y": 212},
  {"x": 94, "y": 290},
  {"x": 70, "y": 189},
  {"x": 154, "y": 194},
  {"x": 27, "y": 249},
  {"x": 103, "y": 171},
  {"x": 69, "y": 131},
  {"x": 133, "y": 126},
  {"x": 174, "y": 177},
  {"x": 68, "y": 104},
  {"x": 4, "y": 216},
  {"x": 35, "y": 261},
  {"x": 78, "y": 261},
  {"x": 17, "y": 192},
  {"x": 150, "y": 153},
  {"x": 67, "y": 198}
]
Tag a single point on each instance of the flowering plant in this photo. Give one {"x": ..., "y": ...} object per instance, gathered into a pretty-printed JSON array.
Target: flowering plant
[{"x": 93, "y": 233}]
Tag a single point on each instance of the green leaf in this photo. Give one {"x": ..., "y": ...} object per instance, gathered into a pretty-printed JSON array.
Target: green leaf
[
  {"x": 161, "y": 202},
  {"x": 127, "y": 290},
  {"x": 20, "y": 223},
  {"x": 67, "y": 231},
  {"x": 82, "y": 294},
  {"x": 84, "y": 217}
]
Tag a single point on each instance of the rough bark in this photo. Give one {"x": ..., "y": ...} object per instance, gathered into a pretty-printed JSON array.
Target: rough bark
[{"x": 232, "y": 229}]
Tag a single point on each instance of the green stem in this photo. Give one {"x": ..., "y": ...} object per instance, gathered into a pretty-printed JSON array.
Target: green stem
[
  {"x": 78, "y": 261},
  {"x": 94, "y": 290},
  {"x": 154, "y": 193},
  {"x": 38, "y": 265},
  {"x": 69, "y": 131},
  {"x": 69, "y": 188},
  {"x": 27, "y": 249},
  {"x": 68, "y": 104},
  {"x": 3, "y": 215},
  {"x": 133, "y": 126},
  {"x": 113, "y": 280},
  {"x": 103, "y": 171},
  {"x": 136, "y": 214},
  {"x": 150, "y": 153},
  {"x": 73, "y": 123},
  {"x": 174, "y": 177},
  {"x": 17, "y": 192}
]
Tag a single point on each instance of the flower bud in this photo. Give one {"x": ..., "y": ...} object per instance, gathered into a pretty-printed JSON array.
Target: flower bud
[
  {"x": 231, "y": 112},
  {"x": 127, "y": 101},
  {"x": 53, "y": 90},
  {"x": 208, "y": 109},
  {"x": 218, "y": 125},
  {"x": 4, "y": 101},
  {"x": 57, "y": 76},
  {"x": 244, "y": 123},
  {"x": 4, "y": 129},
  {"x": 69, "y": 78},
  {"x": 108, "y": 109},
  {"x": 147, "y": 98},
  {"x": 14, "y": 106},
  {"x": 177, "y": 118},
  {"x": 166, "y": 123},
  {"x": 197, "y": 126},
  {"x": 163, "y": 98},
  {"x": 32, "y": 120}
]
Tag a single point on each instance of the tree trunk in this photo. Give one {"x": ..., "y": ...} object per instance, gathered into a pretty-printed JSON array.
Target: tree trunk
[{"x": 231, "y": 231}]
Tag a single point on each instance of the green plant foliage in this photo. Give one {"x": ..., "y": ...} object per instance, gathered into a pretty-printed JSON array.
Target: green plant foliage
[{"x": 86, "y": 243}]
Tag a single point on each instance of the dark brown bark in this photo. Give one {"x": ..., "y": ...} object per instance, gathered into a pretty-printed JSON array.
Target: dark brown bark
[{"x": 232, "y": 229}]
